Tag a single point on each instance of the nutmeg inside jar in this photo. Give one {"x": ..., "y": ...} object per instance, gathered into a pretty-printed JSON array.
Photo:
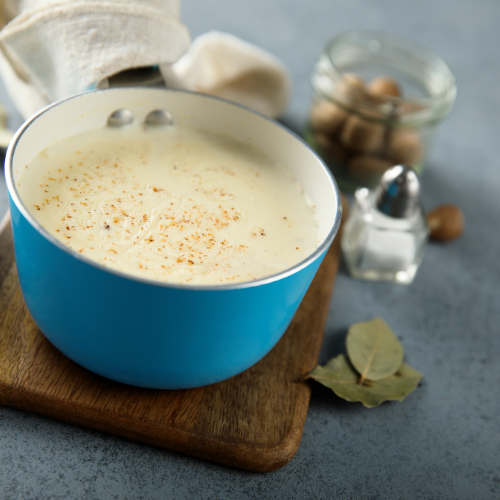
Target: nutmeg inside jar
[{"x": 377, "y": 100}]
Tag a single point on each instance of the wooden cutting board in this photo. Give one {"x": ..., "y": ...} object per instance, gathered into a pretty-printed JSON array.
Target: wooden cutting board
[{"x": 253, "y": 421}]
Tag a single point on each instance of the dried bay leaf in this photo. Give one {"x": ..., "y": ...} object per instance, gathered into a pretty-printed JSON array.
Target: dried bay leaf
[
  {"x": 339, "y": 375},
  {"x": 374, "y": 350}
]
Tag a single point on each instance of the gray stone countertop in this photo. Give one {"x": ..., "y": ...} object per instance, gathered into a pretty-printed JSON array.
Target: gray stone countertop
[{"x": 443, "y": 441}]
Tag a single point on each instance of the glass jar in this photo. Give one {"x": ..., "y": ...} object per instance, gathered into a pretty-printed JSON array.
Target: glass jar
[{"x": 377, "y": 100}]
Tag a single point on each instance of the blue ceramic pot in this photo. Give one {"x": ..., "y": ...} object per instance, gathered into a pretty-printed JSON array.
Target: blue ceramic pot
[{"x": 144, "y": 332}]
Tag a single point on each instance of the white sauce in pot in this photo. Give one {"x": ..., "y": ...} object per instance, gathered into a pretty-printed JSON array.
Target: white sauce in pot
[{"x": 174, "y": 204}]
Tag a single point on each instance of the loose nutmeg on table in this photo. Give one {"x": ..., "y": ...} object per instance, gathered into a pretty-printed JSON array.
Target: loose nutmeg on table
[{"x": 446, "y": 223}]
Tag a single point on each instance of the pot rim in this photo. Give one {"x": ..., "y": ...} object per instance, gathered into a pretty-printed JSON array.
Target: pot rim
[{"x": 225, "y": 287}]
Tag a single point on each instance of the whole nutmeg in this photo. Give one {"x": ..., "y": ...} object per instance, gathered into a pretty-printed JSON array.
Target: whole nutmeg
[
  {"x": 368, "y": 167},
  {"x": 405, "y": 146},
  {"x": 362, "y": 135},
  {"x": 446, "y": 222},
  {"x": 354, "y": 80},
  {"x": 349, "y": 82},
  {"x": 335, "y": 151},
  {"x": 327, "y": 118},
  {"x": 384, "y": 86},
  {"x": 350, "y": 89}
]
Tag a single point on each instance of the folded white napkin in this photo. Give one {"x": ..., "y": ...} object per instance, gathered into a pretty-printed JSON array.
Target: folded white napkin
[
  {"x": 55, "y": 48},
  {"x": 224, "y": 65}
]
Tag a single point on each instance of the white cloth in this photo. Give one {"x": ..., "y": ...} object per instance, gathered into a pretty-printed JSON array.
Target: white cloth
[
  {"x": 63, "y": 47},
  {"x": 56, "y": 48},
  {"x": 224, "y": 65}
]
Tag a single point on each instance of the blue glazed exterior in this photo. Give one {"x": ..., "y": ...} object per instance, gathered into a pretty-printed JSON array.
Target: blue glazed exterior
[{"x": 146, "y": 333}]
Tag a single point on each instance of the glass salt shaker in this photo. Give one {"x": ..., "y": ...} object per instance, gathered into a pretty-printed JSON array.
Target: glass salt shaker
[{"x": 385, "y": 235}]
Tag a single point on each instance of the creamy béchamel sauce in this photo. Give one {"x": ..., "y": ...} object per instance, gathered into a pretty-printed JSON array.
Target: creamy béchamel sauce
[{"x": 175, "y": 204}]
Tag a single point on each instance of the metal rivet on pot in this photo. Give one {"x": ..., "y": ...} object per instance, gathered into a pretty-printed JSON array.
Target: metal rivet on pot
[
  {"x": 159, "y": 117},
  {"x": 120, "y": 118}
]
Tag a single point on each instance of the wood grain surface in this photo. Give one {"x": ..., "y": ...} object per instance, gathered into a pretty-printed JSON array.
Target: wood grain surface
[{"x": 253, "y": 421}]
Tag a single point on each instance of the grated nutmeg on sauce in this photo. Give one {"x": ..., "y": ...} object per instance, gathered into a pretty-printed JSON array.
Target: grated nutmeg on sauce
[{"x": 174, "y": 204}]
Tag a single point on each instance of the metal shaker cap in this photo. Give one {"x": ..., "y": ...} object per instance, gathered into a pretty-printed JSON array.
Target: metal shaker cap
[{"x": 398, "y": 193}]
